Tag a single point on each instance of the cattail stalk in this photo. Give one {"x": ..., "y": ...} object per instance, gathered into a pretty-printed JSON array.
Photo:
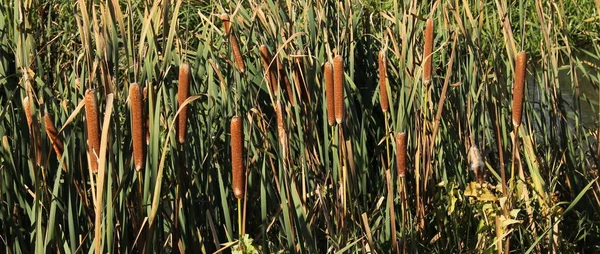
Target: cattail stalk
[
  {"x": 401, "y": 153},
  {"x": 93, "y": 128},
  {"x": 237, "y": 155},
  {"x": 519, "y": 88},
  {"x": 52, "y": 133},
  {"x": 270, "y": 69},
  {"x": 329, "y": 94},
  {"x": 338, "y": 79},
  {"x": 137, "y": 125},
  {"x": 382, "y": 81},
  {"x": 427, "y": 50},
  {"x": 183, "y": 92}
]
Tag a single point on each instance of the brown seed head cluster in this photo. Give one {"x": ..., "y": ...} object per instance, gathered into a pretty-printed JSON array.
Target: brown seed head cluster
[
  {"x": 32, "y": 124},
  {"x": 226, "y": 23},
  {"x": 183, "y": 92},
  {"x": 93, "y": 128},
  {"x": 428, "y": 48},
  {"x": 382, "y": 81},
  {"x": 237, "y": 155},
  {"x": 237, "y": 53},
  {"x": 298, "y": 79},
  {"x": 401, "y": 153},
  {"x": 329, "y": 93},
  {"x": 52, "y": 133},
  {"x": 137, "y": 125},
  {"x": 519, "y": 88},
  {"x": 338, "y": 79}
]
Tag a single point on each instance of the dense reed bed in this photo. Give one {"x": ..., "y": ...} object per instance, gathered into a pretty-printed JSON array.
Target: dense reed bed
[{"x": 299, "y": 126}]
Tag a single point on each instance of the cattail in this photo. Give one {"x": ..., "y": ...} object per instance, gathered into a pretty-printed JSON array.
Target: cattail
[
  {"x": 33, "y": 130},
  {"x": 519, "y": 88},
  {"x": 52, "y": 133},
  {"x": 283, "y": 141},
  {"x": 237, "y": 155},
  {"x": 401, "y": 153},
  {"x": 427, "y": 51},
  {"x": 382, "y": 82},
  {"x": 237, "y": 53},
  {"x": 338, "y": 89},
  {"x": 285, "y": 82},
  {"x": 28, "y": 114},
  {"x": 137, "y": 125},
  {"x": 226, "y": 23},
  {"x": 183, "y": 92},
  {"x": 93, "y": 128},
  {"x": 329, "y": 93},
  {"x": 270, "y": 69},
  {"x": 235, "y": 47},
  {"x": 298, "y": 79}
]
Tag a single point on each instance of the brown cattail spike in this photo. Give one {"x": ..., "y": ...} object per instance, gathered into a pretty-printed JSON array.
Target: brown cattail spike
[
  {"x": 329, "y": 93},
  {"x": 401, "y": 154},
  {"x": 269, "y": 68},
  {"x": 237, "y": 53},
  {"x": 299, "y": 79},
  {"x": 338, "y": 79},
  {"x": 519, "y": 88},
  {"x": 183, "y": 92},
  {"x": 285, "y": 82},
  {"x": 382, "y": 81},
  {"x": 137, "y": 125},
  {"x": 93, "y": 128},
  {"x": 283, "y": 140},
  {"x": 237, "y": 155},
  {"x": 33, "y": 130},
  {"x": 52, "y": 133},
  {"x": 235, "y": 47},
  {"x": 226, "y": 23},
  {"x": 427, "y": 50}
]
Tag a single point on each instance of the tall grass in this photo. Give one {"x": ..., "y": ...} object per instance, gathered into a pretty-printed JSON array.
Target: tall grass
[{"x": 270, "y": 79}]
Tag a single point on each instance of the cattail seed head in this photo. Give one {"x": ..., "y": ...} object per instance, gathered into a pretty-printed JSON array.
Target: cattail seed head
[
  {"x": 33, "y": 130},
  {"x": 28, "y": 114},
  {"x": 285, "y": 82},
  {"x": 237, "y": 53},
  {"x": 427, "y": 50},
  {"x": 237, "y": 155},
  {"x": 401, "y": 153},
  {"x": 329, "y": 94},
  {"x": 338, "y": 79},
  {"x": 226, "y": 23},
  {"x": 519, "y": 88},
  {"x": 93, "y": 128},
  {"x": 137, "y": 125},
  {"x": 183, "y": 92},
  {"x": 382, "y": 81},
  {"x": 283, "y": 140},
  {"x": 270, "y": 69},
  {"x": 52, "y": 133},
  {"x": 298, "y": 79}
]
